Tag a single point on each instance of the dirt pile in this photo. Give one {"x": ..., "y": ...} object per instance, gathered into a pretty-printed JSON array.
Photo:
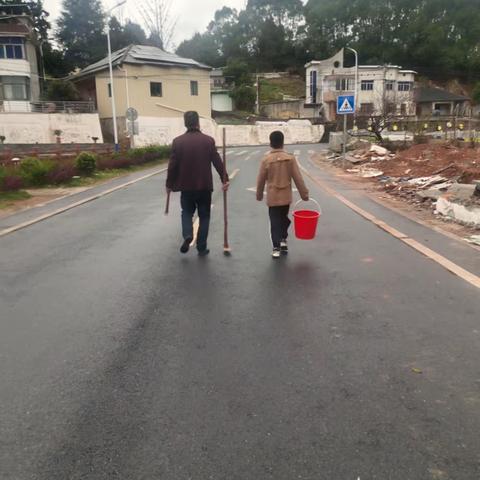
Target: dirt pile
[{"x": 452, "y": 162}]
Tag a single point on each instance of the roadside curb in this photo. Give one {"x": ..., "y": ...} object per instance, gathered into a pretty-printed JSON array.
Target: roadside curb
[{"x": 46, "y": 216}]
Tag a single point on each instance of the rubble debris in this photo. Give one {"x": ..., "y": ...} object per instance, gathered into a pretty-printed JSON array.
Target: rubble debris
[
  {"x": 475, "y": 239},
  {"x": 370, "y": 173},
  {"x": 378, "y": 150},
  {"x": 464, "y": 214},
  {"x": 426, "y": 182}
]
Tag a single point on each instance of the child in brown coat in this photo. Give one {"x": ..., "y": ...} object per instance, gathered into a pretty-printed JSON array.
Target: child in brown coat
[{"x": 277, "y": 170}]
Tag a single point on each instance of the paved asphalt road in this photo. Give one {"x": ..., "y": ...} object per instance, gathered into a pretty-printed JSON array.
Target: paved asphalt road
[{"x": 355, "y": 357}]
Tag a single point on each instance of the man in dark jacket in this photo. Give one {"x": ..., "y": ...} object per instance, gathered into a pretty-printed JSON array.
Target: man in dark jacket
[{"x": 190, "y": 172}]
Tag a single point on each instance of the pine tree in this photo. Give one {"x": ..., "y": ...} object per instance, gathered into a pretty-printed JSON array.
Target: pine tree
[{"x": 81, "y": 32}]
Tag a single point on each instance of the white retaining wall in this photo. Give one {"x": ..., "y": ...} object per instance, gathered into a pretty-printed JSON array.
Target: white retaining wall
[
  {"x": 40, "y": 127},
  {"x": 154, "y": 130}
]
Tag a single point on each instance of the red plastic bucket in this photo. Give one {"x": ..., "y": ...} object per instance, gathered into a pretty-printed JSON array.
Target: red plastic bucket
[{"x": 305, "y": 222}]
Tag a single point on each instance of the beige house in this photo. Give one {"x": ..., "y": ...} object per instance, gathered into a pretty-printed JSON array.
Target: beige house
[
  {"x": 381, "y": 89},
  {"x": 161, "y": 86}
]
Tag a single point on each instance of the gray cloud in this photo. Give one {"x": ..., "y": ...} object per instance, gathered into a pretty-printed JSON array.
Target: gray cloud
[{"x": 193, "y": 15}]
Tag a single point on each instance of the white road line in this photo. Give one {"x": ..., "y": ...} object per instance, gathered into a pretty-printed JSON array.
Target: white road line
[
  {"x": 243, "y": 152},
  {"x": 452, "y": 267}
]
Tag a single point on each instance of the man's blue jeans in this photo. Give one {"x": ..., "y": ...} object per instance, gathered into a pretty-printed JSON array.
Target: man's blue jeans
[{"x": 201, "y": 202}]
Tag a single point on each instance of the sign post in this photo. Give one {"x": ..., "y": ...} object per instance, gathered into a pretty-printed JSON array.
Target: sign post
[
  {"x": 345, "y": 106},
  {"x": 132, "y": 125}
]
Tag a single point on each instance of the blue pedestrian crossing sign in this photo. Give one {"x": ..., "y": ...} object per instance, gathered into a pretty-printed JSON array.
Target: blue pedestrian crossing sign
[{"x": 345, "y": 104}]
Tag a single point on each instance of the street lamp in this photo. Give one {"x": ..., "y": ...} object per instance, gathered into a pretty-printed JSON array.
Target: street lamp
[
  {"x": 112, "y": 90},
  {"x": 356, "y": 77}
]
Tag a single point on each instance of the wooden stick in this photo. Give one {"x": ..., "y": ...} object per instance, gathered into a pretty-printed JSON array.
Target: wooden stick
[
  {"x": 167, "y": 206},
  {"x": 226, "y": 247}
]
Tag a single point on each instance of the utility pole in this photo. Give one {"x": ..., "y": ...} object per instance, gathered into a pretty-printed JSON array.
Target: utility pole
[
  {"x": 257, "y": 105},
  {"x": 110, "y": 68}
]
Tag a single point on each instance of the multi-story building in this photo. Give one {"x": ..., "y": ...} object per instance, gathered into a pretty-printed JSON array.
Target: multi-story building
[
  {"x": 381, "y": 89},
  {"x": 19, "y": 68}
]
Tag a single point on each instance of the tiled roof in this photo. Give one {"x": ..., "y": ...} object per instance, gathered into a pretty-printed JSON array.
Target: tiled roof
[
  {"x": 141, "y": 54},
  {"x": 432, "y": 94}
]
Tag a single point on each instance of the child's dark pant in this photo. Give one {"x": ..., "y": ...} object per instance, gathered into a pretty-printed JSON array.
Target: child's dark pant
[{"x": 279, "y": 223}]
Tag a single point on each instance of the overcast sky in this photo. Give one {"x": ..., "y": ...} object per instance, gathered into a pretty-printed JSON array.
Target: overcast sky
[{"x": 193, "y": 15}]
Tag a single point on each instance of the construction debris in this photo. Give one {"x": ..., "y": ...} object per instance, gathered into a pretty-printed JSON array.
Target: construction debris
[
  {"x": 475, "y": 239},
  {"x": 443, "y": 176}
]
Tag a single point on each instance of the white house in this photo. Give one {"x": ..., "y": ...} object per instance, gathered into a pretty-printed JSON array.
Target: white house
[
  {"x": 19, "y": 71},
  {"x": 381, "y": 89}
]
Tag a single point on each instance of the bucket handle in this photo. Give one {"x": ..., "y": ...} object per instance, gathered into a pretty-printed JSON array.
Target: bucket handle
[{"x": 311, "y": 200}]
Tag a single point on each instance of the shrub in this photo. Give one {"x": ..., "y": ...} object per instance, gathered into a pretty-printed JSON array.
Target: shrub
[
  {"x": 115, "y": 162},
  {"x": 11, "y": 183},
  {"x": 149, "y": 154},
  {"x": 86, "y": 163},
  {"x": 61, "y": 174},
  {"x": 34, "y": 171}
]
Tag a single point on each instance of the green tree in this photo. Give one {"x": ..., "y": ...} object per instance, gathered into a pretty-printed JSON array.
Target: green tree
[
  {"x": 476, "y": 93},
  {"x": 81, "y": 32},
  {"x": 203, "y": 48},
  {"x": 237, "y": 72},
  {"x": 61, "y": 90},
  {"x": 244, "y": 97},
  {"x": 123, "y": 35}
]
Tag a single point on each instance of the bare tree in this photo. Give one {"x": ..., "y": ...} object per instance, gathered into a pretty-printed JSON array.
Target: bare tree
[{"x": 159, "y": 21}]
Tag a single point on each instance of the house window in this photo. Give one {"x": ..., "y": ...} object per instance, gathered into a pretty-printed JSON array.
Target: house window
[
  {"x": 404, "y": 86},
  {"x": 12, "y": 48},
  {"x": 345, "y": 84},
  {"x": 391, "y": 108},
  {"x": 389, "y": 85},
  {"x": 15, "y": 88},
  {"x": 218, "y": 82},
  {"x": 109, "y": 90},
  {"x": 403, "y": 108},
  {"x": 367, "y": 85},
  {"x": 194, "y": 88},
  {"x": 366, "y": 108},
  {"x": 156, "y": 89}
]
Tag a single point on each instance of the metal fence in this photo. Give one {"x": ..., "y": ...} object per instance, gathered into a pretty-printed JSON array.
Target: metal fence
[{"x": 8, "y": 106}]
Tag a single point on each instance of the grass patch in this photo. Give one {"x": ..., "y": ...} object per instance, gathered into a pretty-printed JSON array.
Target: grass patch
[
  {"x": 274, "y": 89},
  {"x": 7, "y": 199}
]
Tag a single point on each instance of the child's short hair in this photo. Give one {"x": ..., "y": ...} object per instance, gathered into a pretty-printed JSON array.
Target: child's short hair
[{"x": 277, "y": 139}]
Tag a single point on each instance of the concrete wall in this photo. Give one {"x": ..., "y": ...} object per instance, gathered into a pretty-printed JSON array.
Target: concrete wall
[
  {"x": 153, "y": 130},
  {"x": 289, "y": 109},
  {"x": 40, "y": 127},
  {"x": 222, "y": 102},
  {"x": 132, "y": 88}
]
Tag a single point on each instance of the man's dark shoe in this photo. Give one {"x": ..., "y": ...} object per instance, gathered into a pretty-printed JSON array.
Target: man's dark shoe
[
  {"x": 284, "y": 247},
  {"x": 203, "y": 253},
  {"x": 186, "y": 245}
]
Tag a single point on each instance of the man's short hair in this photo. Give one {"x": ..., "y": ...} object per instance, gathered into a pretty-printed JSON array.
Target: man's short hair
[
  {"x": 192, "y": 120},
  {"x": 277, "y": 139}
]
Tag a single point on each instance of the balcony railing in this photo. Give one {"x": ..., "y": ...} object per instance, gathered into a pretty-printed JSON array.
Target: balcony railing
[{"x": 12, "y": 106}]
